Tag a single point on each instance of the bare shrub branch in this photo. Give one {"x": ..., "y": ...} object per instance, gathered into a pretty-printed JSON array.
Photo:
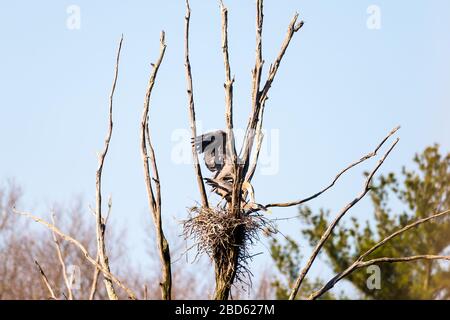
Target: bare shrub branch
[{"x": 106, "y": 273}]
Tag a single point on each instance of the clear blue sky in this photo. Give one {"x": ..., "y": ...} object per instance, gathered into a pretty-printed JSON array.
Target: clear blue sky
[{"x": 341, "y": 87}]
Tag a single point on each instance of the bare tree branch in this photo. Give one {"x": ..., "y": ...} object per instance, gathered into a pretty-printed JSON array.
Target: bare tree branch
[
  {"x": 359, "y": 263},
  {"x": 259, "y": 96},
  {"x": 190, "y": 94},
  {"x": 94, "y": 283},
  {"x": 148, "y": 153},
  {"x": 66, "y": 237},
  {"x": 294, "y": 26},
  {"x": 61, "y": 261},
  {"x": 259, "y": 136},
  {"x": 363, "y": 264},
  {"x": 259, "y": 62},
  {"x": 256, "y": 74},
  {"x": 45, "y": 281},
  {"x": 101, "y": 246},
  {"x": 333, "y": 224},
  {"x": 406, "y": 228},
  {"x": 366, "y": 157},
  {"x": 228, "y": 85},
  {"x": 256, "y": 84}
]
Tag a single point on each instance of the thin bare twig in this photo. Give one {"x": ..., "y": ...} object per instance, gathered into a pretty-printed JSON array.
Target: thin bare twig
[
  {"x": 45, "y": 281},
  {"x": 363, "y": 264},
  {"x": 293, "y": 27},
  {"x": 154, "y": 200},
  {"x": 359, "y": 263},
  {"x": 256, "y": 74},
  {"x": 259, "y": 96},
  {"x": 333, "y": 224},
  {"x": 96, "y": 274},
  {"x": 66, "y": 237},
  {"x": 61, "y": 261},
  {"x": 94, "y": 283},
  {"x": 100, "y": 226},
  {"x": 354, "y": 164},
  {"x": 406, "y": 228},
  {"x": 256, "y": 84},
  {"x": 190, "y": 95},
  {"x": 259, "y": 137},
  {"x": 228, "y": 85}
]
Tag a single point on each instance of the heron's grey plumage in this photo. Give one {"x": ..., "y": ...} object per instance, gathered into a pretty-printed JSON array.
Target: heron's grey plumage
[{"x": 213, "y": 146}]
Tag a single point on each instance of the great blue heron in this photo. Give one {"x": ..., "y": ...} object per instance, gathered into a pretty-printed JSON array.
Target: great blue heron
[{"x": 213, "y": 145}]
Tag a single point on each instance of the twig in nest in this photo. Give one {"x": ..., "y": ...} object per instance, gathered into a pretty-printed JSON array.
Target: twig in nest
[{"x": 215, "y": 231}]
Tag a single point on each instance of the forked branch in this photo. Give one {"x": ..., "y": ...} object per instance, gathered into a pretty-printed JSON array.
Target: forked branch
[
  {"x": 260, "y": 96},
  {"x": 335, "y": 222},
  {"x": 360, "y": 263}
]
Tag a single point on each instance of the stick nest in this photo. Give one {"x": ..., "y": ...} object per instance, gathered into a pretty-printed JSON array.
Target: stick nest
[{"x": 216, "y": 232}]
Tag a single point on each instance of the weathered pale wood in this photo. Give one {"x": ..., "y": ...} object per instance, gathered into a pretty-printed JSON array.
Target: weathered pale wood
[
  {"x": 336, "y": 178},
  {"x": 260, "y": 96},
  {"x": 62, "y": 263},
  {"x": 360, "y": 263},
  {"x": 154, "y": 196},
  {"x": 45, "y": 281},
  {"x": 84, "y": 251},
  {"x": 190, "y": 95},
  {"x": 335, "y": 222},
  {"x": 100, "y": 226}
]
